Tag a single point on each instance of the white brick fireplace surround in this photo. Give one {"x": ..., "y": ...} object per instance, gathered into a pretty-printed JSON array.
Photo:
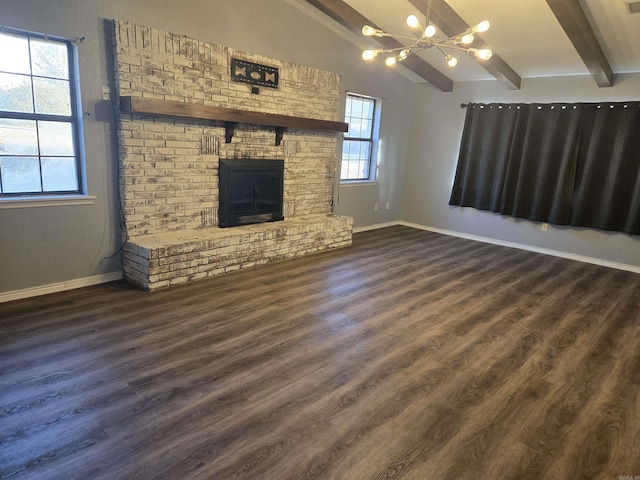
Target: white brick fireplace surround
[{"x": 169, "y": 165}]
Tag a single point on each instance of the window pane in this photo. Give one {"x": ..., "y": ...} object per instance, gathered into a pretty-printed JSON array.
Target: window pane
[
  {"x": 361, "y": 128},
  {"x": 368, "y": 109},
  {"x": 356, "y": 107},
  {"x": 344, "y": 171},
  {"x": 59, "y": 174},
  {"x": 354, "y": 129},
  {"x": 56, "y": 138},
  {"x": 49, "y": 59},
  {"x": 364, "y": 169},
  {"x": 52, "y": 96},
  {"x": 364, "y": 160},
  {"x": 14, "y": 54},
  {"x": 357, "y": 150},
  {"x": 359, "y": 116},
  {"x": 20, "y": 174},
  {"x": 356, "y": 160},
  {"x": 349, "y": 170},
  {"x": 18, "y": 137},
  {"x": 15, "y": 93},
  {"x": 346, "y": 149}
]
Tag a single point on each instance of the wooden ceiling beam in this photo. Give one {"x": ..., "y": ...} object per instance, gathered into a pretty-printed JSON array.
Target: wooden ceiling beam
[
  {"x": 350, "y": 18},
  {"x": 574, "y": 22},
  {"x": 450, "y": 23}
]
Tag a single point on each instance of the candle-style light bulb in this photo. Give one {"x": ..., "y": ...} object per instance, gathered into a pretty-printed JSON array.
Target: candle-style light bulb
[
  {"x": 483, "y": 53},
  {"x": 412, "y": 21},
  {"x": 368, "y": 54},
  {"x": 368, "y": 31},
  {"x": 430, "y": 31},
  {"x": 483, "y": 26},
  {"x": 467, "y": 39}
]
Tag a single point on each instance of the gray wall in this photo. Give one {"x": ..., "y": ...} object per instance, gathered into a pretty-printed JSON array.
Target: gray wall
[
  {"x": 40, "y": 246},
  {"x": 436, "y": 129}
]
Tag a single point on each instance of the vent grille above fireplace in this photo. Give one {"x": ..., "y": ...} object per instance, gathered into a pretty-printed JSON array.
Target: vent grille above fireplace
[{"x": 251, "y": 191}]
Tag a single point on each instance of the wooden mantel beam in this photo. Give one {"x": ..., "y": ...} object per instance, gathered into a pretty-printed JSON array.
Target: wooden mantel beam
[
  {"x": 231, "y": 117},
  {"x": 574, "y": 22},
  {"x": 350, "y": 18},
  {"x": 450, "y": 23}
]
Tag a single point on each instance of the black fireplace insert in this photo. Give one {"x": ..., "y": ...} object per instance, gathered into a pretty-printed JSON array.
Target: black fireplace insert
[{"x": 251, "y": 191}]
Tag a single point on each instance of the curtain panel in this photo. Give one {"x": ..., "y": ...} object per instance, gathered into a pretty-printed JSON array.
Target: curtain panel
[{"x": 566, "y": 164}]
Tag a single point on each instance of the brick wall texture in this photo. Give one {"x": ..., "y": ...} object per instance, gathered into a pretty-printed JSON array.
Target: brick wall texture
[{"x": 169, "y": 166}]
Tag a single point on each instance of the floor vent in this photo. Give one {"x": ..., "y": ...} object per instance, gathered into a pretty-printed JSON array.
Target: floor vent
[{"x": 634, "y": 7}]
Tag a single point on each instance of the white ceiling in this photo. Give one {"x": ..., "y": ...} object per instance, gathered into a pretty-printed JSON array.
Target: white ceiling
[{"x": 525, "y": 33}]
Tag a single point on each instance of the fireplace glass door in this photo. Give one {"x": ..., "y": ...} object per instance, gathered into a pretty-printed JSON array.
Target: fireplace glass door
[{"x": 251, "y": 191}]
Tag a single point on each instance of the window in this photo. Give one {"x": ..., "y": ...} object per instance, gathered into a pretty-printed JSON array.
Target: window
[
  {"x": 359, "y": 145},
  {"x": 39, "y": 121}
]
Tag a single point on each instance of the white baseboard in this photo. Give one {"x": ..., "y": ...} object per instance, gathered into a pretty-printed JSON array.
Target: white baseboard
[
  {"x": 494, "y": 241},
  {"x": 59, "y": 287},
  {"x": 366, "y": 228}
]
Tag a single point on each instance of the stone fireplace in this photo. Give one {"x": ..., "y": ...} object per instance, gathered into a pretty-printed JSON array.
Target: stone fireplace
[{"x": 170, "y": 163}]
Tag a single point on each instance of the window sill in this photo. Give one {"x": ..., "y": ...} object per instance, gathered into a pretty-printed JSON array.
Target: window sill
[
  {"x": 358, "y": 183},
  {"x": 57, "y": 201}
]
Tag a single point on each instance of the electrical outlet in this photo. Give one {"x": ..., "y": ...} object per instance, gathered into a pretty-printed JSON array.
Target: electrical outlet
[
  {"x": 544, "y": 227},
  {"x": 387, "y": 206},
  {"x": 375, "y": 207}
]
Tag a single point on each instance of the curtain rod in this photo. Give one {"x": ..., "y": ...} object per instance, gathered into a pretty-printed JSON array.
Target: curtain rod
[{"x": 574, "y": 104}]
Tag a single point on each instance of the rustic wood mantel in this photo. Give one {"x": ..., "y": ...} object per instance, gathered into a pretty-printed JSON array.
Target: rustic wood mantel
[{"x": 231, "y": 117}]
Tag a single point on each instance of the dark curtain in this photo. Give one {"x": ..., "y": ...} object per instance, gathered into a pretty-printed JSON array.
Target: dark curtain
[
  {"x": 607, "y": 192},
  {"x": 535, "y": 188},
  {"x": 488, "y": 134},
  {"x": 576, "y": 164}
]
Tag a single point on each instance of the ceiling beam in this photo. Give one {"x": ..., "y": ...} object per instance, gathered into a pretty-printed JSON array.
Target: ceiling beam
[
  {"x": 348, "y": 17},
  {"x": 574, "y": 22},
  {"x": 450, "y": 23}
]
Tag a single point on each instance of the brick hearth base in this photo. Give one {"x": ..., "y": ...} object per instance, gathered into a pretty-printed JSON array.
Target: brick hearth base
[{"x": 164, "y": 259}]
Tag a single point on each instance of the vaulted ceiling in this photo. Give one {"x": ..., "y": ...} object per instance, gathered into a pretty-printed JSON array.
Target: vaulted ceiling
[{"x": 529, "y": 38}]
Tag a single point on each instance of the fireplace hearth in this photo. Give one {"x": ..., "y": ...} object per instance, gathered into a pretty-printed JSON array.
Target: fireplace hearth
[{"x": 251, "y": 191}]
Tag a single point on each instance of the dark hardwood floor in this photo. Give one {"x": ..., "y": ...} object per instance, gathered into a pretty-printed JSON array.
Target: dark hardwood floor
[{"x": 410, "y": 355}]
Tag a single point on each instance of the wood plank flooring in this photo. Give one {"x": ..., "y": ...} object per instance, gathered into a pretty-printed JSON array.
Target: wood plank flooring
[{"x": 410, "y": 355}]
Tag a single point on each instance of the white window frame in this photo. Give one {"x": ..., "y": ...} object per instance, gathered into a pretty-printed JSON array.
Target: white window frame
[
  {"x": 53, "y": 198},
  {"x": 372, "y": 141}
]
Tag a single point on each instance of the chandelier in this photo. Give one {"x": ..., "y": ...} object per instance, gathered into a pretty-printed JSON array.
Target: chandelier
[{"x": 461, "y": 42}]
